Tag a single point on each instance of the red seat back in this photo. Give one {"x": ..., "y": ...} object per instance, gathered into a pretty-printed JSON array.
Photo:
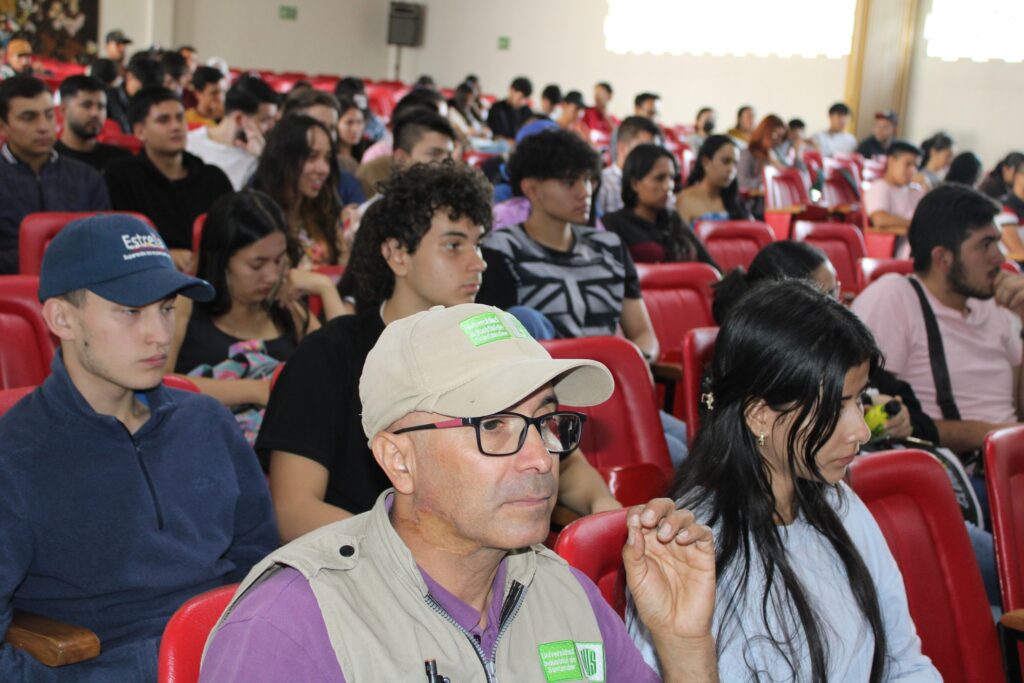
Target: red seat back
[
  {"x": 698, "y": 350},
  {"x": 26, "y": 346},
  {"x": 814, "y": 162},
  {"x": 181, "y": 648},
  {"x": 8, "y": 397},
  {"x": 842, "y": 243},
  {"x": 909, "y": 495},
  {"x": 784, "y": 188},
  {"x": 197, "y": 236},
  {"x": 734, "y": 243},
  {"x": 593, "y": 545},
  {"x": 1004, "y": 476},
  {"x": 38, "y": 230},
  {"x": 873, "y": 268},
  {"x": 678, "y": 298},
  {"x": 624, "y": 431},
  {"x": 126, "y": 141}
]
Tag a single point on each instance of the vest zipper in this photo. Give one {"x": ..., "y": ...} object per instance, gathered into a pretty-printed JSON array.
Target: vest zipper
[
  {"x": 508, "y": 613},
  {"x": 149, "y": 480}
]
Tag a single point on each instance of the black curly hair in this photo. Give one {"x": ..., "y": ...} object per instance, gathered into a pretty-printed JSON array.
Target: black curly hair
[
  {"x": 552, "y": 155},
  {"x": 404, "y": 211}
]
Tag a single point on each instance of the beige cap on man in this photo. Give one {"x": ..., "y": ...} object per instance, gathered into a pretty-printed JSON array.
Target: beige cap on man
[{"x": 468, "y": 360}]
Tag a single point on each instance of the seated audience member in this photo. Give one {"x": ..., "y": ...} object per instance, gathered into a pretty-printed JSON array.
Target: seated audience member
[
  {"x": 164, "y": 182},
  {"x": 957, "y": 272},
  {"x": 796, "y": 140},
  {"x": 997, "y": 183},
  {"x": 450, "y": 557},
  {"x": 883, "y": 133},
  {"x": 268, "y": 101},
  {"x": 712, "y": 187},
  {"x": 462, "y": 116},
  {"x": 191, "y": 55},
  {"x": 353, "y": 87},
  {"x": 142, "y": 72},
  {"x": 208, "y": 86},
  {"x": 784, "y": 421},
  {"x": 177, "y": 75},
  {"x": 120, "y": 499},
  {"x": 744, "y": 128},
  {"x": 17, "y": 59},
  {"x": 965, "y": 169},
  {"x": 422, "y": 136},
  {"x": 299, "y": 170},
  {"x": 115, "y": 46},
  {"x": 835, "y": 139},
  {"x": 507, "y": 115},
  {"x": 34, "y": 177},
  {"x": 570, "y": 116},
  {"x": 83, "y": 104},
  {"x": 416, "y": 249},
  {"x": 550, "y": 99},
  {"x": 653, "y": 232},
  {"x": 633, "y": 131},
  {"x": 235, "y": 144},
  {"x": 936, "y": 156},
  {"x": 1014, "y": 199},
  {"x": 582, "y": 279},
  {"x": 648, "y": 105},
  {"x": 890, "y": 200},
  {"x": 423, "y": 99},
  {"x": 425, "y": 82},
  {"x": 764, "y": 148},
  {"x": 703, "y": 128},
  {"x": 324, "y": 107},
  {"x": 597, "y": 117},
  {"x": 351, "y": 125},
  {"x": 231, "y": 345}
]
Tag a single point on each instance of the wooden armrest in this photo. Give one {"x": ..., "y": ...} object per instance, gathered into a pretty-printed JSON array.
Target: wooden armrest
[
  {"x": 667, "y": 371},
  {"x": 795, "y": 209},
  {"x": 51, "y": 642},
  {"x": 1013, "y": 620},
  {"x": 898, "y": 231},
  {"x": 845, "y": 208}
]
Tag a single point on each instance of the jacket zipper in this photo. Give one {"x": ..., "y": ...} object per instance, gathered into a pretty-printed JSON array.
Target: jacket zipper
[
  {"x": 149, "y": 480},
  {"x": 508, "y": 612}
]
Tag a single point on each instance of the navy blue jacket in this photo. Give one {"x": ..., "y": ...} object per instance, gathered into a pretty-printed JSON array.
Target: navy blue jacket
[
  {"x": 114, "y": 531},
  {"x": 62, "y": 185}
]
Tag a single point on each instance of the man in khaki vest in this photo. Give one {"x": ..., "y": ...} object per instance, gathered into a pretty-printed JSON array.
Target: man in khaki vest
[{"x": 444, "y": 579}]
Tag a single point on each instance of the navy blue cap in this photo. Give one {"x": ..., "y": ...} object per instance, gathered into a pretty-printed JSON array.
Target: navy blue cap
[{"x": 117, "y": 257}]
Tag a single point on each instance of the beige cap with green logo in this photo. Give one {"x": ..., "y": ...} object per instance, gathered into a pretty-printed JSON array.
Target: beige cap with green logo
[{"x": 468, "y": 360}]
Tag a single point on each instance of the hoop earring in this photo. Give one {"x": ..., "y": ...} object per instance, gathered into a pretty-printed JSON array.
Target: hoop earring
[{"x": 761, "y": 440}]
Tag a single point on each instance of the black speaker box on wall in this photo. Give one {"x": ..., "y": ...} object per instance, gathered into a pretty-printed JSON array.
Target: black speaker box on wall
[{"x": 405, "y": 24}]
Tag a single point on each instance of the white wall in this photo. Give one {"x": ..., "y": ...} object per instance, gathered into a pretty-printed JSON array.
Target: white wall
[
  {"x": 979, "y": 104},
  {"x": 562, "y": 41},
  {"x": 329, "y": 36}
]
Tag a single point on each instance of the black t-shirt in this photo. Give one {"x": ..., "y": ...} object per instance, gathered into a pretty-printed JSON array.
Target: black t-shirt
[
  {"x": 870, "y": 147},
  {"x": 504, "y": 120},
  {"x": 667, "y": 240},
  {"x": 207, "y": 344},
  {"x": 98, "y": 158},
  {"x": 314, "y": 410}
]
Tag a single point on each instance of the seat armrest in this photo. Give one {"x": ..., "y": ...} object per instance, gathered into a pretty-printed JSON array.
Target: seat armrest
[
  {"x": 1013, "y": 621},
  {"x": 672, "y": 372},
  {"x": 51, "y": 642}
]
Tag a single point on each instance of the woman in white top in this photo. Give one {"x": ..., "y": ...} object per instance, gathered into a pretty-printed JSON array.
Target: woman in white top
[{"x": 807, "y": 588}]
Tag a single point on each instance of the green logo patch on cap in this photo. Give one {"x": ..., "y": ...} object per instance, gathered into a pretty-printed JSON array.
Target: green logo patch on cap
[
  {"x": 486, "y": 328},
  {"x": 566, "y": 660}
]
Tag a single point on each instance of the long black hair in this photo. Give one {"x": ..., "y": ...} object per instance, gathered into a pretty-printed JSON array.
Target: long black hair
[
  {"x": 790, "y": 346},
  {"x": 234, "y": 222},
  {"x": 936, "y": 143},
  {"x": 731, "y": 193},
  {"x": 777, "y": 261}
]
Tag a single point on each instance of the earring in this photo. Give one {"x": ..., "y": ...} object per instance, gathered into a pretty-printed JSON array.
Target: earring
[{"x": 761, "y": 440}]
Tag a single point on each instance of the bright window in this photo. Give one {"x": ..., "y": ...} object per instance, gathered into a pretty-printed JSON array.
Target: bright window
[
  {"x": 781, "y": 28},
  {"x": 979, "y": 30}
]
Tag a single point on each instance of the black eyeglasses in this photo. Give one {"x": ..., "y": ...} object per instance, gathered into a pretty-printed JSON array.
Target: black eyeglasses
[{"x": 505, "y": 433}]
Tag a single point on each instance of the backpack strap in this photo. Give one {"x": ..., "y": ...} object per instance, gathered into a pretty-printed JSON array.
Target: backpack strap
[{"x": 937, "y": 355}]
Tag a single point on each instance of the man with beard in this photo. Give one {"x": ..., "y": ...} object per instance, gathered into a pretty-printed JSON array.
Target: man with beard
[
  {"x": 83, "y": 103},
  {"x": 977, "y": 307}
]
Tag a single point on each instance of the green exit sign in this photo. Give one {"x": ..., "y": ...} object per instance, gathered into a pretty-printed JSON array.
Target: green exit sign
[
  {"x": 288, "y": 12},
  {"x": 503, "y": 42}
]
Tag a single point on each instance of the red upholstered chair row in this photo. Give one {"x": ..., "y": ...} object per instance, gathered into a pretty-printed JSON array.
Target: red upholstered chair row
[
  {"x": 843, "y": 244},
  {"x": 181, "y": 648},
  {"x": 27, "y": 346},
  {"x": 734, "y": 244},
  {"x": 38, "y": 230}
]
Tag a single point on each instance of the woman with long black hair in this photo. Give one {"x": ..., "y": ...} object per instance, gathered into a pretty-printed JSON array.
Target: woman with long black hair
[
  {"x": 807, "y": 588},
  {"x": 712, "y": 188}
]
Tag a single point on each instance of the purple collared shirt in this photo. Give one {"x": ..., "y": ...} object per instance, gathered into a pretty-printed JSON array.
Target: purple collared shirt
[{"x": 277, "y": 633}]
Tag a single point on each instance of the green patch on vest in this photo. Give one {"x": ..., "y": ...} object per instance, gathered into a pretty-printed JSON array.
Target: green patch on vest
[{"x": 566, "y": 660}]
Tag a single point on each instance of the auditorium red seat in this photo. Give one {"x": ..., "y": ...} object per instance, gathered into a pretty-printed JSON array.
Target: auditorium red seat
[
  {"x": 687, "y": 162},
  {"x": 734, "y": 243},
  {"x": 815, "y": 164},
  {"x": 843, "y": 244},
  {"x": 477, "y": 158},
  {"x": 181, "y": 648},
  {"x": 197, "y": 238},
  {"x": 852, "y": 157},
  {"x": 123, "y": 140},
  {"x": 873, "y": 268},
  {"x": 909, "y": 495},
  {"x": 593, "y": 545},
  {"x": 873, "y": 169},
  {"x": 786, "y": 200},
  {"x": 26, "y": 346},
  {"x": 623, "y": 433},
  {"x": 842, "y": 199},
  {"x": 8, "y": 397},
  {"x": 1004, "y": 478},
  {"x": 698, "y": 351},
  {"x": 38, "y": 229}
]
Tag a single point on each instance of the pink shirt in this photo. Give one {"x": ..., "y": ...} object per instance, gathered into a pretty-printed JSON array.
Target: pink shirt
[
  {"x": 982, "y": 348},
  {"x": 899, "y": 201}
]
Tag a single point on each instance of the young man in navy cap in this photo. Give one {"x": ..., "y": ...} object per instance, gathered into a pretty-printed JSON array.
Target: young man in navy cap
[{"x": 119, "y": 498}]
